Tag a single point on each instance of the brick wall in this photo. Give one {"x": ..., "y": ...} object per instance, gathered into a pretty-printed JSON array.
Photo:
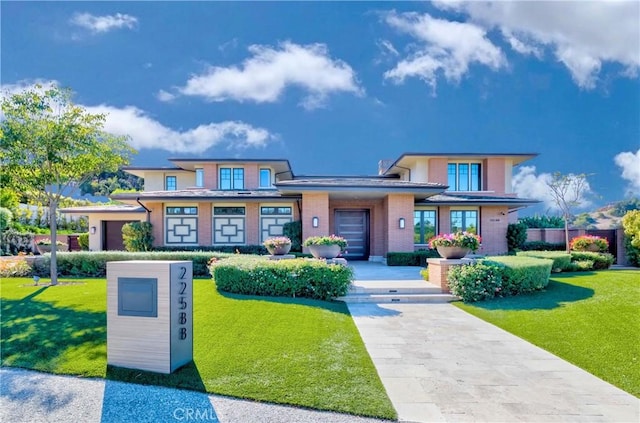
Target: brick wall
[
  {"x": 376, "y": 220},
  {"x": 399, "y": 206},
  {"x": 252, "y": 222},
  {"x": 205, "y": 221},
  {"x": 315, "y": 204},
  {"x": 438, "y": 170},
  {"x": 157, "y": 220},
  {"x": 494, "y": 177},
  {"x": 210, "y": 175},
  {"x": 251, "y": 176},
  {"x": 493, "y": 229},
  {"x": 444, "y": 220}
]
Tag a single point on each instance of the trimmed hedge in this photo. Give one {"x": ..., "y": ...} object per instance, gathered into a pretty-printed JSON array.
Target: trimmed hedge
[
  {"x": 94, "y": 263},
  {"x": 522, "y": 274},
  {"x": 230, "y": 249},
  {"x": 543, "y": 246},
  {"x": 416, "y": 258},
  {"x": 561, "y": 261},
  {"x": 601, "y": 261},
  {"x": 475, "y": 282},
  {"x": 281, "y": 278}
]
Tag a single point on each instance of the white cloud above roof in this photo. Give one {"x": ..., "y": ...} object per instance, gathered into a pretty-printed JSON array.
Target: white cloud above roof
[
  {"x": 264, "y": 77},
  {"x": 105, "y": 23},
  {"x": 527, "y": 184},
  {"x": 629, "y": 163},
  {"x": 441, "y": 47},
  {"x": 581, "y": 35},
  {"x": 148, "y": 133}
]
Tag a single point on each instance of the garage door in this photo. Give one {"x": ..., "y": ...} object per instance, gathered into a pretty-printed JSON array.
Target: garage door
[{"x": 112, "y": 234}]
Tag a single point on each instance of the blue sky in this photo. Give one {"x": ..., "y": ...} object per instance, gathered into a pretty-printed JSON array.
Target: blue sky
[{"x": 336, "y": 86}]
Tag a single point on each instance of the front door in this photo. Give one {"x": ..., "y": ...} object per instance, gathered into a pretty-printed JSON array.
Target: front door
[{"x": 353, "y": 225}]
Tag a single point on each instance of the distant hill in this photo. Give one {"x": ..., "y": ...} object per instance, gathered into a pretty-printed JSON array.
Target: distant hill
[{"x": 607, "y": 217}]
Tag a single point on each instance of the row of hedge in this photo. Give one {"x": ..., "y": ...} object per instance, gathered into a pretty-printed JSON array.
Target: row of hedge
[
  {"x": 499, "y": 276},
  {"x": 574, "y": 262},
  {"x": 94, "y": 264},
  {"x": 281, "y": 278},
  {"x": 415, "y": 258}
]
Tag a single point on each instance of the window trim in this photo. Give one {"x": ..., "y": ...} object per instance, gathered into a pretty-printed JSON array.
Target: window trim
[
  {"x": 422, "y": 210},
  {"x": 267, "y": 169},
  {"x": 199, "y": 177},
  {"x": 466, "y": 209},
  {"x": 470, "y": 165},
  {"x": 232, "y": 178},
  {"x": 166, "y": 182}
]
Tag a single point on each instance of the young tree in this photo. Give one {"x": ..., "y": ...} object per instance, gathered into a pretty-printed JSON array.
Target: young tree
[
  {"x": 568, "y": 192},
  {"x": 48, "y": 146}
]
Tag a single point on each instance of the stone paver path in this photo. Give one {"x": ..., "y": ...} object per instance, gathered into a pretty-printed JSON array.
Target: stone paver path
[{"x": 441, "y": 364}]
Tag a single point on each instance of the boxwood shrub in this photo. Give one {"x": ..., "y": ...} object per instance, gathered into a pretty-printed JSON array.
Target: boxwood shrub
[
  {"x": 281, "y": 278},
  {"x": 600, "y": 261},
  {"x": 94, "y": 263},
  {"x": 561, "y": 260},
  {"x": 416, "y": 258},
  {"x": 475, "y": 282},
  {"x": 522, "y": 274},
  {"x": 543, "y": 246}
]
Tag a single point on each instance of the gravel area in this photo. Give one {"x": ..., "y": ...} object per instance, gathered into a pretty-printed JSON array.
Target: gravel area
[{"x": 28, "y": 396}]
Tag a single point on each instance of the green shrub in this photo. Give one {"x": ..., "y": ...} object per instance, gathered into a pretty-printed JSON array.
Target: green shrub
[
  {"x": 94, "y": 263},
  {"x": 83, "y": 241},
  {"x": 561, "y": 261},
  {"x": 600, "y": 261},
  {"x": 475, "y": 282},
  {"x": 229, "y": 249},
  {"x": 416, "y": 258},
  {"x": 14, "y": 268},
  {"x": 13, "y": 242},
  {"x": 281, "y": 278},
  {"x": 137, "y": 236},
  {"x": 632, "y": 252},
  {"x": 543, "y": 246},
  {"x": 542, "y": 221},
  {"x": 631, "y": 225},
  {"x": 585, "y": 242},
  {"x": 293, "y": 230},
  {"x": 6, "y": 217},
  {"x": 583, "y": 265},
  {"x": 522, "y": 274},
  {"x": 516, "y": 236},
  {"x": 425, "y": 274}
]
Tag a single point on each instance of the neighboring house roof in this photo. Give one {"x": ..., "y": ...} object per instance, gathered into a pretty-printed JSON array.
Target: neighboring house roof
[
  {"x": 203, "y": 194},
  {"x": 106, "y": 208},
  {"x": 139, "y": 171},
  {"x": 362, "y": 184},
  {"x": 475, "y": 200}
]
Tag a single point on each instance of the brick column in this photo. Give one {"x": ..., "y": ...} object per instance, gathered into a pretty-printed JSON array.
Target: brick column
[
  {"x": 399, "y": 206},
  {"x": 439, "y": 269},
  {"x": 315, "y": 205}
]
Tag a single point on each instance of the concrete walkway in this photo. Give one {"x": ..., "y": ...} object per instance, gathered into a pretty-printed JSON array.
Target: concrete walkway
[{"x": 441, "y": 364}]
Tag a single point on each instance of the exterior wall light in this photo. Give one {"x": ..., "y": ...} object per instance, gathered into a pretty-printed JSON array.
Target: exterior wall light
[
  {"x": 401, "y": 223},
  {"x": 315, "y": 222},
  {"x": 92, "y": 230}
]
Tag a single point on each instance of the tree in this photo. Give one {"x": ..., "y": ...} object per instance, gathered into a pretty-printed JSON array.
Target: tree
[
  {"x": 631, "y": 225},
  {"x": 49, "y": 146},
  {"x": 106, "y": 182},
  {"x": 567, "y": 192}
]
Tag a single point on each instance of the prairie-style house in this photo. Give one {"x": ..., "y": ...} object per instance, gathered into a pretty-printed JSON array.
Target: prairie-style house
[{"x": 218, "y": 202}]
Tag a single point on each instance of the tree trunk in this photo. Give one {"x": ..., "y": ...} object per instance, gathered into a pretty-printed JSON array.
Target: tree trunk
[
  {"x": 566, "y": 234},
  {"x": 53, "y": 225}
]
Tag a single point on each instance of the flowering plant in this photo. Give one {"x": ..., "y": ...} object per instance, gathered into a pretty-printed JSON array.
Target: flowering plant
[
  {"x": 277, "y": 241},
  {"x": 326, "y": 240},
  {"x": 459, "y": 239},
  {"x": 584, "y": 243}
]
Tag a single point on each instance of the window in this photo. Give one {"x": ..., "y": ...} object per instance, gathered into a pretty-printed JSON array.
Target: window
[
  {"x": 464, "y": 176},
  {"x": 200, "y": 178},
  {"x": 182, "y": 210},
  {"x": 265, "y": 178},
  {"x": 226, "y": 211},
  {"x": 229, "y": 225},
  {"x": 181, "y": 225},
  {"x": 226, "y": 180},
  {"x": 424, "y": 226},
  {"x": 464, "y": 220},
  {"x": 275, "y": 210},
  {"x": 273, "y": 219},
  {"x": 171, "y": 183}
]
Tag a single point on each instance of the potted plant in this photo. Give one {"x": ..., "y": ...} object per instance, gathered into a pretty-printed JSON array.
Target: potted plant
[
  {"x": 589, "y": 243},
  {"x": 44, "y": 245},
  {"x": 456, "y": 245},
  {"x": 326, "y": 247},
  {"x": 278, "y": 245}
]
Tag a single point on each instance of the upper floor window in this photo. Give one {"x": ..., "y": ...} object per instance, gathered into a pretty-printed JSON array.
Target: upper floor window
[
  {"x": 200, "y": 178},
  {"x": 231, "y": 178},
  {"x": 171, "y": 183},
  {"x": 464, "y": 220},
  {"x": 265, "y": 178},
  {"x": 424, "y": 226},
  {"x": 464, "y": 176}
]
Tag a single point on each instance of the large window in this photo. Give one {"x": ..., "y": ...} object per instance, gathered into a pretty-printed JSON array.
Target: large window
[
  {"x": 200, "y": 178},
  {"x": 229, "y": 225},
  {"x": 231, "y": 178},
  {"x": 265, "y": 178},
  {"x": 171, "y": 183},
  {"x": 424, "y": 226},
  {"x": 273, "y": 219},
  {"x": 181, "y": 225},
  {"x": 464, "y": 220},
  {"x": 464, "y": 176}
]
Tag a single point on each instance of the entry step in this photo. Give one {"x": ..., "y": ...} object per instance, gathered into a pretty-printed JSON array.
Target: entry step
[{"x": 395, "y": 298}]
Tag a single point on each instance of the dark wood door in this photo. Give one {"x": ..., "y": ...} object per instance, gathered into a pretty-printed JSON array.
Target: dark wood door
[
  {"x": 353, "y": 225},
  {"x": 112, "y": 235}
]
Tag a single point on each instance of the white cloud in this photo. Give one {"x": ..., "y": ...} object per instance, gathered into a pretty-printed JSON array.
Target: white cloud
[
  {"x": 106, "y": 23},
  {"x": 442, "y": 46},
  {"x": 146, "y": 132},
  {"x": 527, "y": 184},
  {"x": 166, "y": 96},
  {"x": 630, "y": 164},
  {"x": 581, "y": 35},
  {"x": 264, "y": 76}
]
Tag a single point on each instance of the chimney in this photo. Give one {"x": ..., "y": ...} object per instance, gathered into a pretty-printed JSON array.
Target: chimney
[{"x": 383, "y": 165}]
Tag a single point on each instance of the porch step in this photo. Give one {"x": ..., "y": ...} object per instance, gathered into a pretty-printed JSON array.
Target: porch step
[
  {"x": 417, "y": 291},
  {"x": 394, "y": 298}
]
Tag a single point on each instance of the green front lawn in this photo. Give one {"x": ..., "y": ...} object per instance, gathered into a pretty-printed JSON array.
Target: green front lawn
[
  {"x": 293, "y": 351},
  {"x": 590, "y": 319}
]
